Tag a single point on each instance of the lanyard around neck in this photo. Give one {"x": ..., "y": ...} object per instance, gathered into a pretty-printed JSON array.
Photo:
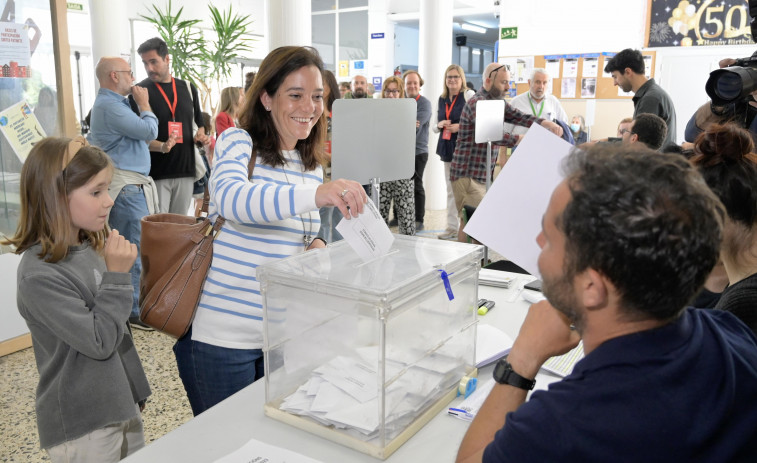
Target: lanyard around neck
[
  {"x": 448, "y": 108},
  {"x": 171, "y": 106},
  {"x": 533, "y": 110}
]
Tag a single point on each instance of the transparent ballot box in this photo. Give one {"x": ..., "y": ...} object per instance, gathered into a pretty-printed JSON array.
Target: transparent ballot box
[{"x": 365, "y": 354}]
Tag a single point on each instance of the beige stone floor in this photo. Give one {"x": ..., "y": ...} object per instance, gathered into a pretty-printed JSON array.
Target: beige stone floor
[{"x": 167, "y": 408}]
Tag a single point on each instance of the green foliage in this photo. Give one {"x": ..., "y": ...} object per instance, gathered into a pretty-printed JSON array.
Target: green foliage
[
  {"x": 230, "y": 43},
  {"x": 185, "y": 42},
  {"x": 192, "y": 58}
]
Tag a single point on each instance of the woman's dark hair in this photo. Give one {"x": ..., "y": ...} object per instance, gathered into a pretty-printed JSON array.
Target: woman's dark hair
[
  {"x": 725, "y": 157},
  {"x": 259, "y": 123},
  {"x": 330, "y": 81}
]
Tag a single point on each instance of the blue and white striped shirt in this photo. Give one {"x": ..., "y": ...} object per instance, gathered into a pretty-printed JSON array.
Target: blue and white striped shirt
[{"x": 266, "y": 219}]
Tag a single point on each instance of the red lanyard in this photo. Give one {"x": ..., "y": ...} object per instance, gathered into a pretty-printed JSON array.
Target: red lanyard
[
  {"x": 448, "y": 108},
  {"x": 171, "y": 106}
]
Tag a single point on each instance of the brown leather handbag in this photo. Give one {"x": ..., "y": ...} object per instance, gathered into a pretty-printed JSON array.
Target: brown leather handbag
[{"x": 176, "y": 254}]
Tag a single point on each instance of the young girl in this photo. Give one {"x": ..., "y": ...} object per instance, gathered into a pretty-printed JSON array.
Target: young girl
[{"x": 74, "y": 291}]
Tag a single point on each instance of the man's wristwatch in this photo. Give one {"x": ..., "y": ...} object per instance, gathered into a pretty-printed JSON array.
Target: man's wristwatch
[{"x": 504, "y": 374}]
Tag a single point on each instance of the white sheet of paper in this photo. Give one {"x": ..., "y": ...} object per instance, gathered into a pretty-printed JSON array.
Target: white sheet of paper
[
  {"x": 491, "y": 344},
  {"x": 355, "y": 378},
  {"x": 567, "y": 88},
  {"x": 256, "y": 451},
  {"x": 367, "y": 233},
  {"x": 509, "y": 217},
  {"x": 331, "y": 397},
  {"x": 553, "y": 68}
]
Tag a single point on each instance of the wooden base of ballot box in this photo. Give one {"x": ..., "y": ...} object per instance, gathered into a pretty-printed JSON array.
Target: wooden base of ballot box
[{"x": 335, "y": 435}]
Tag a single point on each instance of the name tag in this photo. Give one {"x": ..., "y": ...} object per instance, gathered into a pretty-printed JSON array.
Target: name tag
[{"x": 174, "y": 128}]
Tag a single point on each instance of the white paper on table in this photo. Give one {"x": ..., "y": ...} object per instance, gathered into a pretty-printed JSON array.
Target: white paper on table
[
  {"x": 562, "y": 365},
  {"x": 509, "y": 217},
  {"x": 367, "y": 233},
  {"x": 491, "y": 344},
  {"x": 255, "y": 451}
]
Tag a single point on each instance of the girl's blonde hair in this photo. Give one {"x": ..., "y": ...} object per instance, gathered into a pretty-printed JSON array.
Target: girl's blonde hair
[
  {"x": 229, "y": 101},
  {"x": 393, "y": 80},
  {"x": 55, "y": 167}
]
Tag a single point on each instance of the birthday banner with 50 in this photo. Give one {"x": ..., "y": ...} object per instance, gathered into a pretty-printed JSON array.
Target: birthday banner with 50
[{"x": 682, "y": 23}]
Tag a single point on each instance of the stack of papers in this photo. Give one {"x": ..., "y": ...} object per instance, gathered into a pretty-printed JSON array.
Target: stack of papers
[
  {"x": 343, "y": 393},
  {"x": 491, "y": 344},
  {"x": 495, "y": 278},
  {"x": 563, "y": 365},
  {"x": 469, "y": 407}
]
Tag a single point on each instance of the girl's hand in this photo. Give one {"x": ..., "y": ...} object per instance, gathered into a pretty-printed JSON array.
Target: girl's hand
[{"x": 119, "y": 254}]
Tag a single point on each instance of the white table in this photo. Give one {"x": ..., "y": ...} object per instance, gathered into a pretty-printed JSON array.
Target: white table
[{"x": 230, "y": 424}]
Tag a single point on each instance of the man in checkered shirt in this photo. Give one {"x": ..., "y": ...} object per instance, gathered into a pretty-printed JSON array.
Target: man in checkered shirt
[{"x": 468, "y": 169}]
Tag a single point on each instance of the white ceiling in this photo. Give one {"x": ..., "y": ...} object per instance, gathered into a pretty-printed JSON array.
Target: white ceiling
[{"x": 478, "y": 12}]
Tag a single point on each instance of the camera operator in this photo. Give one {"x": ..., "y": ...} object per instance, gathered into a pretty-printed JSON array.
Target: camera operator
[{"x": 741, "y": 111}]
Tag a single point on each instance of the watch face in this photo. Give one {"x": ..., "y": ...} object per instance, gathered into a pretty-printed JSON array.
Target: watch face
[{"x": 501, "y": 371}]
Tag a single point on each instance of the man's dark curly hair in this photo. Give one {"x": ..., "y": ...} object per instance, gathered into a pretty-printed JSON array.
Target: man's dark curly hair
[{"x": 646, "y": 221}]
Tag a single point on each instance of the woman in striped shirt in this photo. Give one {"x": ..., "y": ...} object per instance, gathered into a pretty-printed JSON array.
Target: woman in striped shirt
[{"x": 271, "y": 215}]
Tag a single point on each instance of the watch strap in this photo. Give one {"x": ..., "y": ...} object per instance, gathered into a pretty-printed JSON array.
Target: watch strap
[{"x": 504, "y": 374}]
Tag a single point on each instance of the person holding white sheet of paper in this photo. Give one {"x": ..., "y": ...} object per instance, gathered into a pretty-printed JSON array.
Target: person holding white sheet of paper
[
  {"x": 468, "y": 168},
  {"x": 655, "y": 373},
  {"x": 271, "y": 215}
]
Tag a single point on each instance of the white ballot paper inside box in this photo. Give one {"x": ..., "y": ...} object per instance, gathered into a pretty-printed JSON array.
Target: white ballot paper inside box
[
  {"x": 509, "y": 217},
  {"x": 367, "y": 233}
]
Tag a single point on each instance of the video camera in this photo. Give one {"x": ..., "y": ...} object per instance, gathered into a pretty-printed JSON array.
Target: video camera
[{"x": 730, "y": 88}]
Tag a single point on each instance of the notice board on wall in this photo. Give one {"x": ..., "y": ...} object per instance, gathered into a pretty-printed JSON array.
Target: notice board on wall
[{"x": 575, "y": 76}]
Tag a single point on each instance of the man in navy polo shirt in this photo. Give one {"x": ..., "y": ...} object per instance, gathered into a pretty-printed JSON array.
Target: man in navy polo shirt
[{"x": 627, "y": 240}]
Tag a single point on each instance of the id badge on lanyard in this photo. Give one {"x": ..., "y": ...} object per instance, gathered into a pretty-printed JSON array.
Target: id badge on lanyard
[{"x": 174, "y": 128}]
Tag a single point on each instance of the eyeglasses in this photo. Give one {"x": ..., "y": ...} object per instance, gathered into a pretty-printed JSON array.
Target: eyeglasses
[
  {"x": 395, "y": 92},
  {"x": 624, "y": 131},
  {"x": 129, "y": 71},
  {"x": 453, "y": 77},
  {"x": 507, "y": 68}
]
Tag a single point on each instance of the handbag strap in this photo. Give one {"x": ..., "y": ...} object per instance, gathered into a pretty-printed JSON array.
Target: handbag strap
[{"x": 206, "y": 195}]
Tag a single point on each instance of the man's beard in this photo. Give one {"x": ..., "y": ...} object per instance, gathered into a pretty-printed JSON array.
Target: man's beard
[
  {"x": 560, "y": 293},
  {"x": 496, "y": 93},
  {"x": 359, "y": 93}
]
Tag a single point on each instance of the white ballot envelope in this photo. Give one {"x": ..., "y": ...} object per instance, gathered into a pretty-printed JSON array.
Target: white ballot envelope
[
  {"x": 509, "y": 217},
  {"x": 367, "y": 233}
]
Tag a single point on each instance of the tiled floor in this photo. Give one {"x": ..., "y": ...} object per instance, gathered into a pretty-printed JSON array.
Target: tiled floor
[{"x": 167, "y": 408}]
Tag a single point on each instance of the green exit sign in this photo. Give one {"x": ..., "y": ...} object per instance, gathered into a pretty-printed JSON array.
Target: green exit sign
[
  {"x": 75, "y": 6},
  {"x": 508, "y": 33}
]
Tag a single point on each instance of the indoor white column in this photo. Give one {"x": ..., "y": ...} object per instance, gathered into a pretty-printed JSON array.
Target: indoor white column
[
  {"x": 434, "y": 55},
  {"x": 289, "y": 23},
  {"x": 110, "y": 30}
]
